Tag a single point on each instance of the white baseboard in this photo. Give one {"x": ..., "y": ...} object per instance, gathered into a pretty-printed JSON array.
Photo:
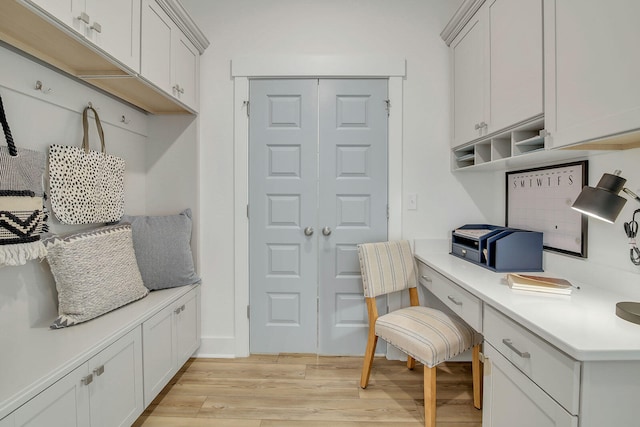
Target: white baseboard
[{"x": 217, "y": 347}]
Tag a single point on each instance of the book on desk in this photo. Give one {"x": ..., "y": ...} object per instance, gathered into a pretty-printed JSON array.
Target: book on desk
[{"x": 501, "y": 249}]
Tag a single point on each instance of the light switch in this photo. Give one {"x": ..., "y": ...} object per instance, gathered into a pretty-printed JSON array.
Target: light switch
[{"x": 412, "y": 202}]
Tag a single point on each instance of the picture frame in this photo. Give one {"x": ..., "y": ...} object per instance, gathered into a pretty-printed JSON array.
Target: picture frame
[{"x": 540, "y": 199}]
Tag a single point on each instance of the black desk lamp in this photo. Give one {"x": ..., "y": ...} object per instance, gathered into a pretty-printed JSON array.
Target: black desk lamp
[{"x": 604, "y": 203}]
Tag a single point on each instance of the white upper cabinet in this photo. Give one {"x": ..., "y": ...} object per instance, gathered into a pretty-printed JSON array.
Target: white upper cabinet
[
  {"x": 169, "y": 60},
  {"x": 497, "y": 69},
  {"x": 113, "y": 26},
  {"x": 516, "y": 88},
  {"x": 592, "y": 69},
  {"x": 469, "y": 75}
]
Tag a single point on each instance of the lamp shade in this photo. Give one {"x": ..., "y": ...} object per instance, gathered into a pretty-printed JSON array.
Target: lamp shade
[{"x": 603, "y": 201}]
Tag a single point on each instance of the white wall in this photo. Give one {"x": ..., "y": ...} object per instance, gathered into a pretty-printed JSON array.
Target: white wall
[{"x": 407, "y": 28}]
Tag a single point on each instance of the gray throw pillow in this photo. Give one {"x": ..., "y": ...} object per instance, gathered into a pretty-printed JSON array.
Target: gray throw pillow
[{"x": 163, "y": 249}]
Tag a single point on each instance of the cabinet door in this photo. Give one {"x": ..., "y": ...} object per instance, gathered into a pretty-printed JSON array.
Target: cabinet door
[
  {"x": 64, "y": 404},
  {"x": 8, "y": 421},
  {"x": 511, "y": 399},
  {"x": 185, "y": 66},
  {"x": 119, "y": 29},
  {"x": 67, "y": 12},
  {"x": 155, "y": 53},
  {"x": 592, "y": 89},
  {"x": 515, "y": 39},
  {"x": 188, "y": 326},
  {"x": 116, "y": 394},
  {"x": 159, "y": 354},
  {"x": 469, "y": 74}
]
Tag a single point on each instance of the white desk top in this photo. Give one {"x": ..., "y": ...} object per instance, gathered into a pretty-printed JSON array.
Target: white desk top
[
  {"x": 583, "y": 325},
  {"x": 33, "y": 361}
]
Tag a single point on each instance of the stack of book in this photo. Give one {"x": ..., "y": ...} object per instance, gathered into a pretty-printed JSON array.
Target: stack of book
[{"x": 526, "y": 282}]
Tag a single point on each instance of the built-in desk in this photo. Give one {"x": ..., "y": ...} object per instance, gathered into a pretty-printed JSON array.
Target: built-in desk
[{"x": 551, "y": 360}]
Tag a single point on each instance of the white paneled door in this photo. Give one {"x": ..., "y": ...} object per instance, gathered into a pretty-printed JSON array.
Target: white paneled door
[{"x": 318, "y": 187}]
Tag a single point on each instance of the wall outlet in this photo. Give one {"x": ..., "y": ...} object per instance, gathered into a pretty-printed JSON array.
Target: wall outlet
[{"x": 412, "y": 202}]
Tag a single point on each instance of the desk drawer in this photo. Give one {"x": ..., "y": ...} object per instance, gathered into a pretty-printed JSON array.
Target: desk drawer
[
  {"x": 463, "y": 303},
  {"x": 553, "y": 371}
]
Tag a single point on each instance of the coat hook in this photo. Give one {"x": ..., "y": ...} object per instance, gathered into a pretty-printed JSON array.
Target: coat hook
[
  {"x": 41, "y": 88},
  {"x": 124, "y": 120}
]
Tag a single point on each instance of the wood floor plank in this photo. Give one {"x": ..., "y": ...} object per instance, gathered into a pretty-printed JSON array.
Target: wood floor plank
[
  {"x": 300, "y": 390},
  {"x": 304, "y": 408}
]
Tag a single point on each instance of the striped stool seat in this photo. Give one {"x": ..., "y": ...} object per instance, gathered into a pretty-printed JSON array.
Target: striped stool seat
[{"x": 428, "y": 335}]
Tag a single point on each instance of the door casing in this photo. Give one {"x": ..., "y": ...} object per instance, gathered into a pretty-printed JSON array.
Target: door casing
[{"x": 315, "y": 66}]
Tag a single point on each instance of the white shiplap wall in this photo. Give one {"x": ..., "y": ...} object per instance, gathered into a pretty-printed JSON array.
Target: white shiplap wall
[{"x": 37, "y": 120}]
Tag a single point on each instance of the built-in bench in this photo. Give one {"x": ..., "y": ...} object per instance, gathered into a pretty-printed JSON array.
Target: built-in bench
[{"x": 101, "y": 372}]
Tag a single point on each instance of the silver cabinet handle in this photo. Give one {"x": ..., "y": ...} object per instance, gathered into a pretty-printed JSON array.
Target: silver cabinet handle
[
  {"x": 508, "y": 343},
  {"x": 308, "y": 231},
  {"x": 425, "y": 278},
  {"x": 99, "y": 370},
  {"x": 83, "y": 17},
  {"x": 326, "y": 231},
  {"x": 96, "y": 27},
  {"x": 477, "y": 126},
  {"x": 87, "y": 380},
  {"x": 454, "y": 300}
]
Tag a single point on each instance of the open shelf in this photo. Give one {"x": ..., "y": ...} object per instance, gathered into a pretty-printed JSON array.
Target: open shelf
[{"x": 524, "y": 138}]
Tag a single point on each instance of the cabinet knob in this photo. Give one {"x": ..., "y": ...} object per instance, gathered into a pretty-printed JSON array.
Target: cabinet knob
[
  {"x": 454, "y": 300},
  {"x": 308, "y": 231},
  {"x": 425, "y": 278},
  {"x": 99, "y": 370},
  {"x": 83, "y": 17},
  {"x": 87, "y": 380},
  {"x": 477, "y": 126},
  {"x": 96, "y": 27}
]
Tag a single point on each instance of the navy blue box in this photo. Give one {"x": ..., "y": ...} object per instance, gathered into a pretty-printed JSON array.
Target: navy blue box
[{"x": 500, "y": 249}]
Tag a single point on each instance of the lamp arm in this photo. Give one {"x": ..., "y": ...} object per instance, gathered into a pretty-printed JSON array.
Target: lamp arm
[{"x": 632, "y": 194}]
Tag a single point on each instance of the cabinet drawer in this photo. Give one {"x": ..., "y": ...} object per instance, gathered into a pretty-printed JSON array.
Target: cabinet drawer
[
  {"x": 512, "y": 399},
  {"x": 553, "y": 371},
  {"x": 461, "y": 302},
  {"x": 466, "y": 252}
]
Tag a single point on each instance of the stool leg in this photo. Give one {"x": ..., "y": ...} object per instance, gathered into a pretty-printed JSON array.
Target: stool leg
[
  {"x": 429, "y": 396},
  {"x": 368, "y": 359},
  {"x": 411, "y": 362},
  {"x": 476, "y": 372}
]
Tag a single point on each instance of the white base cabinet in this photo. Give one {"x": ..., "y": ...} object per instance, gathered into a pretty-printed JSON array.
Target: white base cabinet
[
  {"x": 106, "y": 391},
  {"x": 92, "y": 375},
  {"x": 511, "y": 399},
  {"x": 170, "y": 338}
]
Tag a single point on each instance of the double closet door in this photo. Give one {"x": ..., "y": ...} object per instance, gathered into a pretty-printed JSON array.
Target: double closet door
[{"x": 318, "y": 187}]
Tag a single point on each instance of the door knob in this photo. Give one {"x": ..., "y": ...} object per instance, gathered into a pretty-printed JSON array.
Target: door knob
[
  {"x": 326, "y": 231},
  {"x": 308, "y": 231}
]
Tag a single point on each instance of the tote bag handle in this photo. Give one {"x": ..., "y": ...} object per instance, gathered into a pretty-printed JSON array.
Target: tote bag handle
[
  {"x": 7, "y": 132},
  {"x": 85, "y": 127}
]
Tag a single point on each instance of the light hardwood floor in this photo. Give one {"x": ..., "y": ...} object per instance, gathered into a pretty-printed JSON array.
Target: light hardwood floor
[{"x": 308, "y": 391}]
